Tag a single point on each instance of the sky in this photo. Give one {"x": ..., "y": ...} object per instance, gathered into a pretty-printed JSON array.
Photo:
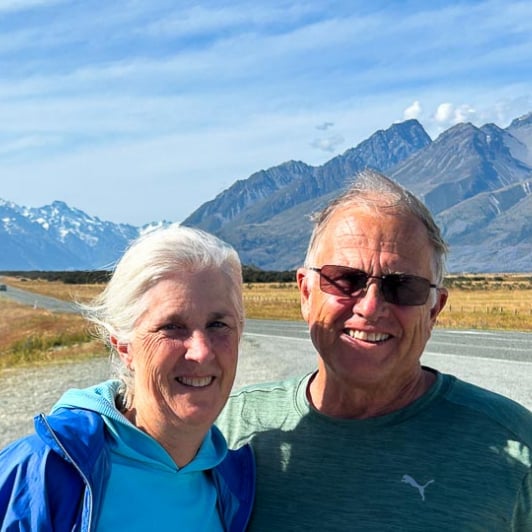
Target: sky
[{"x": 137, "y": 111}]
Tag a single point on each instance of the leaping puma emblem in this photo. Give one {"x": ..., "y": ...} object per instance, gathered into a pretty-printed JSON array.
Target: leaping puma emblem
[{"x": 407, "y": 479}]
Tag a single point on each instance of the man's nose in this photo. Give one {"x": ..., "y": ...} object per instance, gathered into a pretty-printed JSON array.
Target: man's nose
[{"x": 369, "y": 302}]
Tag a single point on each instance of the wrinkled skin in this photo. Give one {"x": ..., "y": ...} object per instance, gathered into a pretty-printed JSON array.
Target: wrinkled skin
[
  {"x": 369, "y": 349},
  {"x": 183, "y": 354}
]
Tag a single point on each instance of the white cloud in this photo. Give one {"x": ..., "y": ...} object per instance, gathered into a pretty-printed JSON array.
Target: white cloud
[
  {"x": 205, "y": 93},
  {"x": 26, "y": 143},
  {"x": 465, "y": 113},
  {"x": 447, "y": 114},
  {"x": 21, "y": 5},
  {"x": 413, "y": 111},
  {"x": 444, "y": 113},
  {"x": 328, "y": 144}
]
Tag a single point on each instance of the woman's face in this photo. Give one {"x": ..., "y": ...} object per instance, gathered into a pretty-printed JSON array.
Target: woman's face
[{"x": 183, "y": 352}]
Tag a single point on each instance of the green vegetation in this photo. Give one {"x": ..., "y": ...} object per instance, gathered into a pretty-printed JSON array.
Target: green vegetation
[{"x": 67, "y": 277}]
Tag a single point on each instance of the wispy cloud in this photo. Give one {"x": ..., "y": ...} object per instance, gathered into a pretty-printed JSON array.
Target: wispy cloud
[
  {"x": 328, "y": 144},
  {"x": 24, "y": 5},
  {"x": 133, "y": 90}
]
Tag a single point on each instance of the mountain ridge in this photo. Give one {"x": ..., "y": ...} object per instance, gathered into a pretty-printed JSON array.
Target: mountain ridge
[
  {"x": 477, "y": 181},
  {"x": 486, "y": 164}
]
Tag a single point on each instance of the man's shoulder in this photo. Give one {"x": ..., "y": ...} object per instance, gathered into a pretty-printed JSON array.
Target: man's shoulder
[
  {"x": 493, "y": 406},
  {"x": 262, "y": 407},
  {"x": 266, "y": 390}
]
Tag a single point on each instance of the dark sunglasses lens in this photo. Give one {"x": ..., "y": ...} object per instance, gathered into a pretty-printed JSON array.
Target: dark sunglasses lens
[
  {"x": 407, "y": 290},
  {"x": 340, "y": 280}
]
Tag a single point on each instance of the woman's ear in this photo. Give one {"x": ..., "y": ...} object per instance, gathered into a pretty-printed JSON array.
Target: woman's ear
[{"x": 122, "y": 348}]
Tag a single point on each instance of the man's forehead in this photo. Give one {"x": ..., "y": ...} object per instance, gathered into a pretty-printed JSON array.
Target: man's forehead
[
  {"x": 361, "y": 241},
  {"x": 363, "y": 229},
  {"x": 372, "y": 233}
]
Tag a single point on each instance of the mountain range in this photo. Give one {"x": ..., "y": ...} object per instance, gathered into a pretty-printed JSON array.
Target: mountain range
[
  {"x": 477, "y": 182},
  {"x": 58, "y": 237}
]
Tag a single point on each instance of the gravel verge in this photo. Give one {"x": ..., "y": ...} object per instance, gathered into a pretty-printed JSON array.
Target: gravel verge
[{"x": 27, "y": 391}]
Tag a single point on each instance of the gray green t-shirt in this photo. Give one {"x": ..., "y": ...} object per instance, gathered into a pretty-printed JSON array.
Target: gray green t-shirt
[{"x": 457, "y": 459}]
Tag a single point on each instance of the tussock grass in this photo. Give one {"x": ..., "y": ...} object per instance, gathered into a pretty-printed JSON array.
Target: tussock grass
[
  {"x": 501, "y": 308},
  {"x": 67, "y": 292},
  {"x": 272, "y": 301},
  {"x": 28, "y": 335},
  {"x": 493, "y": 302}
]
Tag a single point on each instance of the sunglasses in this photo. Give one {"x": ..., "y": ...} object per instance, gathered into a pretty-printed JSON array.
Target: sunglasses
[{"x": 396, "y": 288}]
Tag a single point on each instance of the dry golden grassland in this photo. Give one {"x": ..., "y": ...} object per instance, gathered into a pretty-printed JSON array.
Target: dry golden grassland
[
  {"x": 57, "y": 289},
  {"x": 475, "y": 302},
  {"x": 28, "y": 335}
]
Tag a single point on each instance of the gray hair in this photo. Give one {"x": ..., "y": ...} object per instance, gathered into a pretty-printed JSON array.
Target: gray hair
[
  {"x": 154, "y": 255},
  {"x": 374, "y": 190}
]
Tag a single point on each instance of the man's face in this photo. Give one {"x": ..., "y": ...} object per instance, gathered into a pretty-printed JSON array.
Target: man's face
[
  {"x": 363, "y": 340},
  {"x": 184, "y": 352}
]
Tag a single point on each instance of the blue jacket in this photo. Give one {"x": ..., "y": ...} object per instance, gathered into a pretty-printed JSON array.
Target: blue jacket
[{"x": 55, "y": 479}]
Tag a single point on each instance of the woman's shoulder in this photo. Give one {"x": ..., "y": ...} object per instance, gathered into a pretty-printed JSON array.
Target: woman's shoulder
[
  {"x": 21, "y": 450},
  {"x": 71, "y": 435},
  {"x": 31, "y": 471}
]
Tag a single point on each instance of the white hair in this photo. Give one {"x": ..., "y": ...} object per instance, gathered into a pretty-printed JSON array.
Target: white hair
[
  {"x": 376, "y": 191},
  {"x": 156, "y": 254}
]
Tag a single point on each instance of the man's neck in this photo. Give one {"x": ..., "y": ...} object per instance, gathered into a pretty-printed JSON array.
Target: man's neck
[{"x": 349, "y": 401}]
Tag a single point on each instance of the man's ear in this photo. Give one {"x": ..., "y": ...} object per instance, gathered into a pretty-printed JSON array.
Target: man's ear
[
  {"x": 304, "y": 291},
  {"x": 442, "y": 295},
  {"x": 122, "y": 349}
]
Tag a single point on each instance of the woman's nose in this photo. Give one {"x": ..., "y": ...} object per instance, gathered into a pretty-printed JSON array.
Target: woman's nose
[{"x": 199, "y": 347}]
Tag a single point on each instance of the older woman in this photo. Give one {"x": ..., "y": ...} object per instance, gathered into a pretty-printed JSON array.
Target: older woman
[{"x": 140, "y": 452}]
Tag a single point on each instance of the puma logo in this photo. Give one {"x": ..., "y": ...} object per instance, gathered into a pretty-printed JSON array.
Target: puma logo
[{"x": 407, "y": 479}]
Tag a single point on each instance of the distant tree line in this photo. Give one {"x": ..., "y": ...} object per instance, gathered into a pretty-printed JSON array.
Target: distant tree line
[
  {"x": 250, "y": 274},
  {"x": 67, "y": 277}
]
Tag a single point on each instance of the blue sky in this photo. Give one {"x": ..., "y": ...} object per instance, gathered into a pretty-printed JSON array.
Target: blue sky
[{"x": 136, "y": 110}]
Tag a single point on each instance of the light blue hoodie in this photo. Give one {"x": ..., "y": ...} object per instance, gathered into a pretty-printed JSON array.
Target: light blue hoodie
[
  {"x": 146, "y": 487},
  {"x": 87, "y": 468}
]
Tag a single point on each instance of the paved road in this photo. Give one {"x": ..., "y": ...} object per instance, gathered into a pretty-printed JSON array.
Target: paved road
[
  {"x": 38, "y": 301},
  {"x": 494, "y": 345},
  {"x": 499, "y": 345},
  {"x": 271, "y": 350},
  {"x": 497, "y": 360}
]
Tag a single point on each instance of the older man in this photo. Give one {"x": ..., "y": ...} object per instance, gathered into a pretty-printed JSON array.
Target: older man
[{"x": 372, "y": 440}]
